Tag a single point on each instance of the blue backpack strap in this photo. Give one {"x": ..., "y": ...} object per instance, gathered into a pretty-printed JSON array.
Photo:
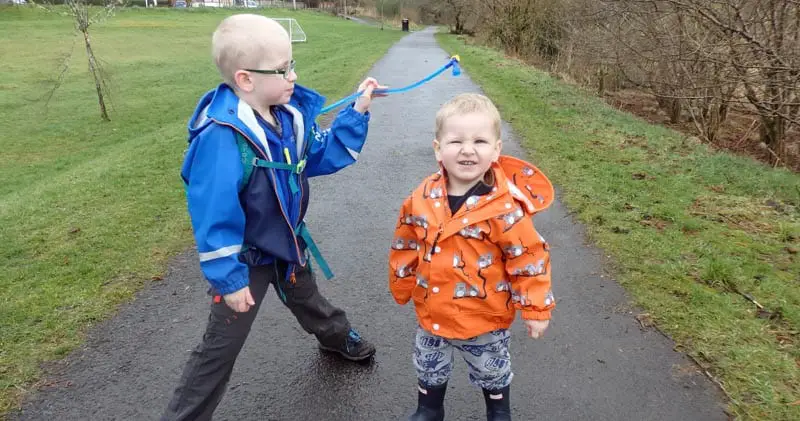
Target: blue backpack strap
[
  {"x": 248, "y": 155},
  {"x": 250, "y": 161},
  {"x": 302, "y": 231},
  {"x": 295, "y": 168}
]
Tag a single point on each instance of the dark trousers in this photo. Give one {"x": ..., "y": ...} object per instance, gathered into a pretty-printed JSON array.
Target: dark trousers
[{"x": 209, "y": 368}]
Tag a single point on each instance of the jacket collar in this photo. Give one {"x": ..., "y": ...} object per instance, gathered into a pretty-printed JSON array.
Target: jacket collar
[
  {"x": 518, "y": 187},
  {"x": 225, "y": 107}
]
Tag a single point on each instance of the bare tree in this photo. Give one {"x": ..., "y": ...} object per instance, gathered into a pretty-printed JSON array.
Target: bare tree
[
  {"x": 698, "y": 58},
  {"x": 457, "y": 14},
  {"x": 525, "y": 27},
  {"x": 766, "y": 56},
  {"x": 672, "y": 54},
  {"x": 80, "y": 10}
]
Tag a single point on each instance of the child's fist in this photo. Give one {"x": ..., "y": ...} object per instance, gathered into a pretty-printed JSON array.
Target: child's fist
[
  {"x": 536, "y": 328},
  {"x": 367, "y": 89},
  {"x": 240, "y": 301}
]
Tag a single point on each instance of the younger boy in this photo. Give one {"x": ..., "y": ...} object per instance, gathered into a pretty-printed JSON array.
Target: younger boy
[
  {"x": 466, "y": 252},
  {"x": 253, "y": 145}
]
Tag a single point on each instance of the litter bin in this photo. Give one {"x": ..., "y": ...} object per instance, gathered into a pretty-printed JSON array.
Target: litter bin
[{"x": 405, "y": 25}]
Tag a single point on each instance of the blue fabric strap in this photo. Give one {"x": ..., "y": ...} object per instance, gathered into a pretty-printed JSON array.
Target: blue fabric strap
[
  {"x": 302, "y": 231},
  {"x": 452, "y": 63},
  {"x": 295, "y": 168}
]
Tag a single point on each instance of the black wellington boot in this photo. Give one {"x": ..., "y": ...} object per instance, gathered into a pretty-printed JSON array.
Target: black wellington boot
[
  {"x": 430, "y": 404},
  {"x": 498, "y": 404}
]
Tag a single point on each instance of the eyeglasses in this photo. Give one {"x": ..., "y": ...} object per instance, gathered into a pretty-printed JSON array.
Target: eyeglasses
[{"x": 284, "y": 72}]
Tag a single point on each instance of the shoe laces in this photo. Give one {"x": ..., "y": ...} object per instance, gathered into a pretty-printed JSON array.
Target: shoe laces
[{"x": 353, "y": 336}]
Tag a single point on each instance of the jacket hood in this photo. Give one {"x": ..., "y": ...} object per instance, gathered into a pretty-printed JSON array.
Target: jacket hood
[{"x": 526, "y": 183}]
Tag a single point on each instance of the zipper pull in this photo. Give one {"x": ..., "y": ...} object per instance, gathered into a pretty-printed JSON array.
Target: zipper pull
[
  {"x": 438, "y": 234},
  {"x": 287, "y": 155}
]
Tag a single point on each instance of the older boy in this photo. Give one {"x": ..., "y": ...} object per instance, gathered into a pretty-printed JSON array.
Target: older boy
[{"x": 253, "y": 143}]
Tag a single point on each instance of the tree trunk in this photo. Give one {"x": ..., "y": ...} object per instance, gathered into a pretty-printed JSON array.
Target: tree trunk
[
  {"x": 95, "y": 71},
  {"x": 459, "y": 24},
  {"x": 601, "y": 81},
  {"x": 773, "y": 134},
  {"x": 674, "y": 110}
]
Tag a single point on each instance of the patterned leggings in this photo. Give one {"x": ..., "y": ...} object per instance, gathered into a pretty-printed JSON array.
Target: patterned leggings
[{"x": 486, "y": 356}]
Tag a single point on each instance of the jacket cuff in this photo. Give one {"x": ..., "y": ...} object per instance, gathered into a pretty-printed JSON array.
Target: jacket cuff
[
  {"x": 231, "y": 286},
  {"x": 352, "y": 113},
  {"x": 535, "y": 315}
]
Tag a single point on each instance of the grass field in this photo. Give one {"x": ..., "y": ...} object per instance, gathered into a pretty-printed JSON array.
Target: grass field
[
  {"x": 90, "y": 211},
  {"x": 690, "y": 230}
]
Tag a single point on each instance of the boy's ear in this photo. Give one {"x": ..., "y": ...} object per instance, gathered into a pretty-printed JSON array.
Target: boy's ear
[
  {"x": 243, "y": 81},
  {"x": 498, "y": 148},
  {"x": 437, "y": 150}
]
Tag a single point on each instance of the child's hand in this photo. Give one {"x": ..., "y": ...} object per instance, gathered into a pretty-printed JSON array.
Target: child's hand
[
  {"x": 536, "y": 328},
  {"x": 240, "y": 301},
  {"x": 365, "y": 99}
]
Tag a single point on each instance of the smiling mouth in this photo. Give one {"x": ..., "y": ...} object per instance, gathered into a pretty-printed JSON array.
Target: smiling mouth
[{"x": 467, "y": 163}]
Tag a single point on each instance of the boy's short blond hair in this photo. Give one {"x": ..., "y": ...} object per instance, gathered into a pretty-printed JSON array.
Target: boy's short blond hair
[
  {"x": 244, "y": 41},
  {"x": 465, "y": 104}
]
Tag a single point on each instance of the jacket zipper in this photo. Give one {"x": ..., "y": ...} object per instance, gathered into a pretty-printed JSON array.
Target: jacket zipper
[
  {"x": 436, "y": 240},
  {"x": 274, "y": 188}
]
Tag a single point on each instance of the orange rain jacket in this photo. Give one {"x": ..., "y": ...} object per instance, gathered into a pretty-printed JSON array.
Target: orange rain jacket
[{"x": 470, "y": 272}]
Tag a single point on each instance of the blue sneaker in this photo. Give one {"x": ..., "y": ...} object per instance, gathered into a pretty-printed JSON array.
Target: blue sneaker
[{"x": 353, "y": 348}]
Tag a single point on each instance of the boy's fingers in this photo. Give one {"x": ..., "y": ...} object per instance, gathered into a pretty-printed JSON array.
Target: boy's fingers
[
  {"x": 365, "y": 84},
  {"x": 243, "y": 305},
  {"x": 382, "y": 94},
  {"x": 369, "y": 85},
  {"x": 368, "y": 91},
  {"x": 536, "y": 329},
  {"x": 249, "y": 298}
]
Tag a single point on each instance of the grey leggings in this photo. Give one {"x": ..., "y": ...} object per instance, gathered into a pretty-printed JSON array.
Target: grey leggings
[{"x": 486, "y": 356}]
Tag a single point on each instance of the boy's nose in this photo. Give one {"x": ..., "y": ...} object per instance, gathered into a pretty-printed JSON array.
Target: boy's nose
[{"x": 292, "y": 76}]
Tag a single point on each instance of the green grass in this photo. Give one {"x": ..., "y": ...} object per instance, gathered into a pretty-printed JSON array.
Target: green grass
[
  {"x": 690, "y": 230},
  {"x": 90, "y": 211}
]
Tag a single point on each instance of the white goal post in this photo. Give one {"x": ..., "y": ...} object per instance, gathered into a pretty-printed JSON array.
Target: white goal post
[{"x": 296, "y": 33}]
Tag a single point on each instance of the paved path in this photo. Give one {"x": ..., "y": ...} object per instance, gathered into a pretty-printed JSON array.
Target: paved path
[{"x": 594, "y": 364}]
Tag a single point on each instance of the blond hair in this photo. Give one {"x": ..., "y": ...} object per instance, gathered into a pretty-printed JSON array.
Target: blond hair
[
  {"x": 465, "y": 104},
  {"x": 244, "y": 41}
]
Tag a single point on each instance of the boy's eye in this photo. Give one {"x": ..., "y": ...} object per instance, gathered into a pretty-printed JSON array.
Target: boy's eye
[
  {"x": 455, "y": 141},
  {"x": 481, "y": 141}
]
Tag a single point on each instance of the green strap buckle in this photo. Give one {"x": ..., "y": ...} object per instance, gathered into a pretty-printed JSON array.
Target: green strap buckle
[{"x": 301, "y": 166}]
